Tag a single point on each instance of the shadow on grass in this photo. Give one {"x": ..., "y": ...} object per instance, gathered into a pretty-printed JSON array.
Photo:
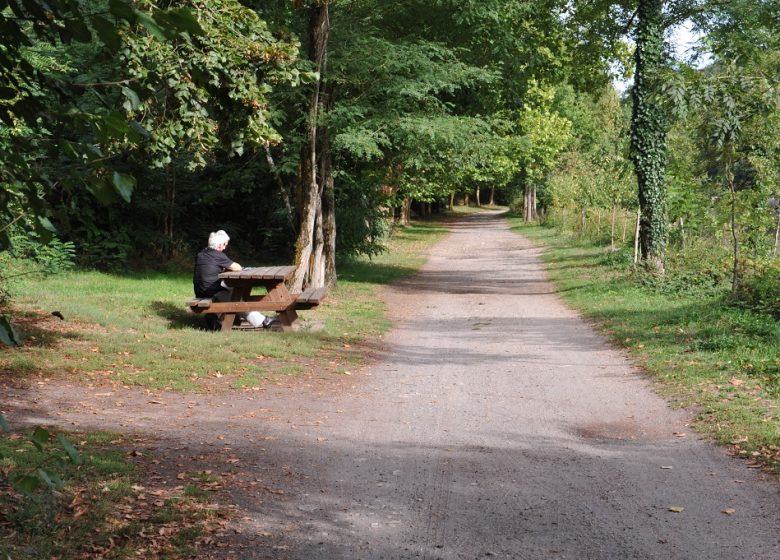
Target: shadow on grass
[
  {"x": 40, "y": 331},
  {"x": 178, "y": 318},
  {"x": 373, "y": 273}
]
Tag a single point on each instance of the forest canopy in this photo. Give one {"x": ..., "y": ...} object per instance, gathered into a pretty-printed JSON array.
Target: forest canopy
[{"x": 308, "y": 129}]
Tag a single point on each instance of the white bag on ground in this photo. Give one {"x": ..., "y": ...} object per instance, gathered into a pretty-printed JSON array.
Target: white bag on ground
[{"x": 255, "y": 318}]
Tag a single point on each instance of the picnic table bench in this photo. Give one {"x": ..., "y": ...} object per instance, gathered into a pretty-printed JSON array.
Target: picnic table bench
[{"x": 277, "y": 297}]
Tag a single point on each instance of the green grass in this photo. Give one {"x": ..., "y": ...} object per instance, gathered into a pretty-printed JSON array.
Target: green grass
[
  {"x": 133, "y": 329},
  {"x": 704, "y": 353}
]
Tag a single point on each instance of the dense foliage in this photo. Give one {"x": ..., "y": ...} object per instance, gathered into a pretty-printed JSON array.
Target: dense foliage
[{"x": 132, "y": 129}]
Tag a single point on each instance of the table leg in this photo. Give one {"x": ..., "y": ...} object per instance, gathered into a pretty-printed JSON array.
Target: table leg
[
  {"x": 287, "y": 319},
  {"x": 239, "y": 293}
]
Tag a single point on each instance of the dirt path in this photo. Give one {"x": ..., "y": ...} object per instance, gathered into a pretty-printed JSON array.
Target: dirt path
[{"x": 495, "y": 425}]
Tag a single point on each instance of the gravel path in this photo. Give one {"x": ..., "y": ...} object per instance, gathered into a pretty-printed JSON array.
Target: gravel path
[{"x": 495, "y": 424}]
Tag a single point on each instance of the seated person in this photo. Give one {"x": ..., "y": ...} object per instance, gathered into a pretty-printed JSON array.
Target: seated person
[{"x": 209, "y": 263}]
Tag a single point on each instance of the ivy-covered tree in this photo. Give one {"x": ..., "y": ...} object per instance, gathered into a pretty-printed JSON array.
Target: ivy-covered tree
[{"x": 648, "y": 132}]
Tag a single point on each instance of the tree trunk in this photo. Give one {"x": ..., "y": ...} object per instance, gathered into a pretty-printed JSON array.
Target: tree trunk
[
  {"x": 466, "y": 200},
  {"x": 479, "y": 203},
  {"x": 776, "y": 249},
  {"x": 317, "y": 264},
  {"x": 406, "y": 211},
  {"x": 309, "y": 188},
  {"x": 526, "y": 203},
  {"x": 452, "y": 201},
  {"x": 282, "y": 189},
  {"x": 612, "y": 228},
  {"x": 625, "y": 228},
  {"x": 328, "y": 212},
  {"x": 636, "y": 235},
  {"x": 735, "y": 273},
  {"x": 648, "y": 133},
  {"x": 492, "y": 196}
]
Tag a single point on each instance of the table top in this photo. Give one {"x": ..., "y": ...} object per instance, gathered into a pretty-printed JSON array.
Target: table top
[{"x": 280, "y": 273}]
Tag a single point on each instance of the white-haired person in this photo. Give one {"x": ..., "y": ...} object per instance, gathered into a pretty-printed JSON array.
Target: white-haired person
[{"x": 209, "y": 263}]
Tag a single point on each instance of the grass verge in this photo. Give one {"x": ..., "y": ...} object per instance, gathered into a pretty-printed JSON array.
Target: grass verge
[
  {"x": 134, "y": 330},
  {"x": 721, "y": 360},
  {"x": 109, "y": 507}
]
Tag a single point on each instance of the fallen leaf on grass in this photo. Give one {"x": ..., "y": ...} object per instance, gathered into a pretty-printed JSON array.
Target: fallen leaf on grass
[
  {"x": 736, "y": 382},
  {"x": 676, "y": 509}
]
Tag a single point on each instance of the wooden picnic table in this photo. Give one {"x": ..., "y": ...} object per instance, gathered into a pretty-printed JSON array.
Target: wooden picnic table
[{"x": 276, "y": 297}]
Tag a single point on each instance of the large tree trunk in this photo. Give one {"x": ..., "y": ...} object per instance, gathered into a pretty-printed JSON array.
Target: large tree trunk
[
  {"x": 307, "y": 266},
  {"x": 529, "y": 203},
  {"x": 735, "y": 271},
  {"x": 492, "y": 196},
  {"x": 406, "y": 211},
  {"x": 284, "y": 195},
  {"x": 328, "y": 212},
  {"x": 526, "y": 210},
  {"x": 648, "y": 134}
]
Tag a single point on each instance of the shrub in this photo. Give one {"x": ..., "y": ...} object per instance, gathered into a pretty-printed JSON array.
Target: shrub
[
  {"x": 759, "y": 288},
  {"x": 53, "y": 256}
]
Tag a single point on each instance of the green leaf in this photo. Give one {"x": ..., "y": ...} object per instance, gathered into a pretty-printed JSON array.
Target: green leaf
[
  {"x": 68, "y": 149},
  {"x": 133, "y": 101},
  {"x": 45, "y": 229},
  {"x": 50, "y": 479},
  {"x": 121, "y": 9},
  {"x": 180, "y": 19},
  {"x": 112, "y": 127},
  {"x": 148, "y": 22},
  {"x": 123, "y": 184},
  {"x": 46, "y": 224},
  {"x": 27, "y": 484},
  {"x": 102, "y": 190},
  {"x": 40, "y": 438},
  {"x": 78, "y": 29},
  {"x": 107, "y": 32},
  {"x": 4, "y": 425},
  {"x": 73, "y": 454},
  {"x": 8, "y": 334}
]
